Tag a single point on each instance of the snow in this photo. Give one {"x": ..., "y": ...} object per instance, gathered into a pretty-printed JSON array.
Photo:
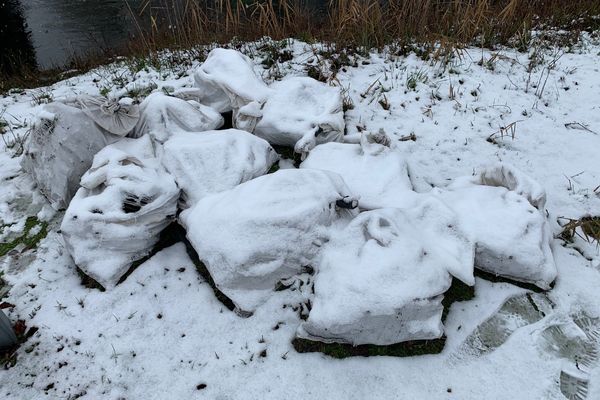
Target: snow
[
  {"x": 301, "y": 112},
  {"x": 214, "y": 161},
  {"x": 375, "y": 173},
  {"x": 281, "y": 220},
  {"x": 126, "y": 199},
  {"x": 110, "y": 343},
  {"x": 163, "y": 116},
  {"x": 382, "y": 279}
]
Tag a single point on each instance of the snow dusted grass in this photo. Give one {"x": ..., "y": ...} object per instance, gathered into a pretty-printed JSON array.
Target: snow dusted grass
[{"x": 162, "y": 333}]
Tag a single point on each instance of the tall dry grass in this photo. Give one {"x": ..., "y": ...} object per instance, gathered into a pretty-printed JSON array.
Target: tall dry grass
[
  {"x": 365, "y": 23},
  {"x": 358, "y": 24}
]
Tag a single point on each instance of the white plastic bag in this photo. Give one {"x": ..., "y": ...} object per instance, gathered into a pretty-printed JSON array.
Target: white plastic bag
[
  {"x": 61, "y": 147},
  {"x": 265, "y": 230},
  {"x": 163, "y": 116},
  {"x": 512, "y": 235},
  {"x": 226, "y": 81},
  {"x": 301, "y": 112},
  {"x": 374, "y": 172},
  {"x": 126, "y": 199},
  {"x": 381, "y": 280},
  {"x": 214, "y": 161}
]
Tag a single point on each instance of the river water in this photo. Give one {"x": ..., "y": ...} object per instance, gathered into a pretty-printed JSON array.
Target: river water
[
  {"x": 56, "y": 30},
  {"x": 48, "y": 33}
]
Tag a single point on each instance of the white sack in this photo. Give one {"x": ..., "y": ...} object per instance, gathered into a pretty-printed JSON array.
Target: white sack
[
  {"x": 60, "y": 149},
  {"x": 125, "y": 201},
  {"x": 214, "y": 161},
  {"x": 226, "y": 81},
  {"x": 163, "y": 116},
  {"x": 301, "y": 112},
  {"x": 265, "y": 230},
  {"x": 512, "y": 236},
  {"x": 381, "y": 280},
  {"x": 374, "y": 172}
]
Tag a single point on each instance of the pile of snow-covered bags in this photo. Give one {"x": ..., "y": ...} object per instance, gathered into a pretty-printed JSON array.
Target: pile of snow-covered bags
[
  {"x": 381, "y": 279},
  {"x": 383, "y": 254}
]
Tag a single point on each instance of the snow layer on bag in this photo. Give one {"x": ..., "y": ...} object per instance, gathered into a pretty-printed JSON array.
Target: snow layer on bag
[
  {"x": 125, "y": 201},
  {"x": 374, "y": 172},
  {"x": 214, "y": 161},
  {"x": 381, "y": 279},
  {"x": 163, "y": 116},
  {"x": 61, "y": 148},
  {"x": 301, "y": 112},
  {"x": 512, "y": 236},
  {"x": 226, "y": 81},
  {"x": 265, "y": 230}
]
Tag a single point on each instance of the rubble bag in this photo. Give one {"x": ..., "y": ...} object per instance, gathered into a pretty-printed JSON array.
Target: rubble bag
[
  {"x": 163, "y": 116},
  {"x": 126, "y": 199},
  {"x": 300, "y": 112},
  {"x": 214, "y": 161},
  {"x": 264, "y": 230},
  {"x": 381, "y": 280},
  {"x": 65, "y": 139},
  {"x": 502, "y": 210}
]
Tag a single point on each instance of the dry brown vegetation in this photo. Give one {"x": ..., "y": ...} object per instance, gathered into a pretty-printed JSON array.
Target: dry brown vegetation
[
  {"x": 365, "y": 23},
  {"x": 356, "y": 24}
]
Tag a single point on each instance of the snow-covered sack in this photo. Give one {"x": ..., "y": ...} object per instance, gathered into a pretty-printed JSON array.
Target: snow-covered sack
[
  {"x": 226, "y": 81},
  {"x": 126, "y": 199},
  {"x": 163, "y": 116},
  {"x": 214, "y": 161},
  {"x": 512, "y": 236},
  {"x": 301, "y": 112},
  {"x": 374, "y": 172},
  {"x": 65, "y": 139},
  {"x": 381, "y": 279},
  {"x": 265, "y": 230}
]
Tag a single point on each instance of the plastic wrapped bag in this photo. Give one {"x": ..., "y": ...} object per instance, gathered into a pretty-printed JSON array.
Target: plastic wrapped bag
[
  {"x": 265, "y": 230},
  {"x": 64, "y": 140},
  {"x": 300, "y": 112},
  {"x": 126, "y": 199},
  {"x": 374, "y": 172},
  {"x": 163, "y": 116},
  {"x": 226, "y": 81},
  {"x": 512, "y": 236},
  {"x": 381, "y": 279},
  {"x": 214, "y": 161}
]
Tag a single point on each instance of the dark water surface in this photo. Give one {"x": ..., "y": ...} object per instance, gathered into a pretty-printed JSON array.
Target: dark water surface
[
  {"x": 50, "y": 32},
  {"x": 57, "y": 30}
]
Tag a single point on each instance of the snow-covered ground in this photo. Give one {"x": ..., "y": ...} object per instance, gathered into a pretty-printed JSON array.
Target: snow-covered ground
[{"x": 162, "y": 333}]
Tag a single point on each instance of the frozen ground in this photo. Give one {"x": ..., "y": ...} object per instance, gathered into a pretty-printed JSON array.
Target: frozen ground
[{"x": 162, "y": 334}]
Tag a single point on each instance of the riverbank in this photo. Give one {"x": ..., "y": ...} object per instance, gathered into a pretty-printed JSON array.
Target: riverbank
[
  {"x": 48, "y": 52},
  {"x": 162, "y": 333}
]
